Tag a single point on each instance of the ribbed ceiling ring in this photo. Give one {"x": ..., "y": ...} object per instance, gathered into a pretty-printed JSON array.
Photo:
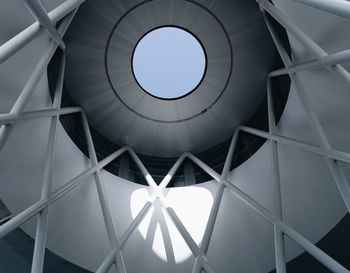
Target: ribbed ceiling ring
[{"x": 128, "y": 105}]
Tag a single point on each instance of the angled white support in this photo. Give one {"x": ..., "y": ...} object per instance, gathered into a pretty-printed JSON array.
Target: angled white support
[
  {"x": 15, "y": 44},
  {"x": 39, "y": 12},
  {"x": 33, "y": 81},
  {"x": 304, "y": 39},
  {"x": 138, "y": 219},
  {"x": 7, "y": 119},
  {"x": 106, "y": 211},
  {"x": 329, "y": 60},
  {"x": 143, "y": 169},
  {"x": 108, "y": 261},
  {"x": 99, "y": 184},
  {"x": 312, "y": 249},
  {"x": 197, "y": 267},
  {"x": 201, "y": 259},
  {"x": 280, "y": 253},
  {"x": 22, "y": 217},
  {"x": 338, "y": 7},
  {"x": 216, "y": 204},
  {"x": 43, "y": 217},
  {"x": 338, "y": 176},
  {"x": 72, "y": 184},
  {"x": 331, "y": 153}
]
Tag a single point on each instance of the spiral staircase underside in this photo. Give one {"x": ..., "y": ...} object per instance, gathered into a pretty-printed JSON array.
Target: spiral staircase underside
[
  {"x": 100, "y": 78},
  {"x": 241, "y": 239},
  {"x": 99, "y": 74}
]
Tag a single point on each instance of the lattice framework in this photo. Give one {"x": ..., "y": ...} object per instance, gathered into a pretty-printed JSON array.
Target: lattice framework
[{"x": 66, "y": 11}]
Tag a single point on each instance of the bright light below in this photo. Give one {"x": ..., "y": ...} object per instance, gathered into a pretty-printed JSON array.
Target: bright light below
[
  {"x": 169, "y": 62},
  {"x": 191, "y": 204}
]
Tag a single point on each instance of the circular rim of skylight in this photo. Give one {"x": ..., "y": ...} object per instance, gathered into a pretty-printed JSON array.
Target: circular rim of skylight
[{"x": 186, "y": 93}]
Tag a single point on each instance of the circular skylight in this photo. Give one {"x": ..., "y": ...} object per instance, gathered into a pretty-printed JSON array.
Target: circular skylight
[{"x": 169, "y": 62}]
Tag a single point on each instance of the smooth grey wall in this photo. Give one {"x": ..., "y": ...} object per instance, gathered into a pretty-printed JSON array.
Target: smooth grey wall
[{"x": 241, "y": 239}]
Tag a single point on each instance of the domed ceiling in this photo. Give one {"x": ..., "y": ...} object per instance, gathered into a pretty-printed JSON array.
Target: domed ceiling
[{"x": 99, "y": 75}]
